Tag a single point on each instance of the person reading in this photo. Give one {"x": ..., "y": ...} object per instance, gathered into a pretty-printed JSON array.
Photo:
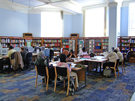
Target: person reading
[
  {"x": 63, "y": 63},
  {"x": 71, "y": 54}
]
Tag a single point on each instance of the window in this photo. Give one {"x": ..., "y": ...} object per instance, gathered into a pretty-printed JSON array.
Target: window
[
  {"x": 94, "y": 22},
  {"x": 51, "y": 24},
  {"x": 131, "y": 19}
]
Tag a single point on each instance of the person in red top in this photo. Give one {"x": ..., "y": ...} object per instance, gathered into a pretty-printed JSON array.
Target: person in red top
[{"x": 63, "y": 63}]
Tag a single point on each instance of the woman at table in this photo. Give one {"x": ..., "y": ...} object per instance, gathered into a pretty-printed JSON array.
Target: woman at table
[
  {"x": 112, "y": 58},
  {"x": 71, "y": 54},
  {"x": 63, "y": 63},
  {"x": 83, "y": 52},
  {"x": 120, "y": 55},
  {"x": 41, "y": 61}
]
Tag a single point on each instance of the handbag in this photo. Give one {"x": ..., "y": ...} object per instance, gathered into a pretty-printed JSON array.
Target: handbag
[{"x": 107, "y": 72}]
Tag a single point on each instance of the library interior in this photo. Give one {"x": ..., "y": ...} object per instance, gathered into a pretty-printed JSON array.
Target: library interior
[{"x": 67, "y": 50}]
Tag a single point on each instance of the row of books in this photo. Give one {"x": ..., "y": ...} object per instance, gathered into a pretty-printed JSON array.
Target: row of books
[{"x": 5, "y": 40}]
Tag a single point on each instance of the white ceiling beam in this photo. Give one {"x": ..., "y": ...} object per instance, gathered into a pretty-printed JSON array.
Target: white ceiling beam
[{"x": 69, "y": 6}]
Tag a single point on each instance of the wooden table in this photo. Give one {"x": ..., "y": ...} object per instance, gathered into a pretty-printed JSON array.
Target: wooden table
[{"x": 92, "y": 63}]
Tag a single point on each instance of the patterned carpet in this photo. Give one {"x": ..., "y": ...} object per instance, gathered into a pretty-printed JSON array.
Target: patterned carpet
[{"x": 21, "y": 87}]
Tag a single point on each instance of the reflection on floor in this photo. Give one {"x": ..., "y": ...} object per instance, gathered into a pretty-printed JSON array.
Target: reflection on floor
[{"x": 21, "y": 86}]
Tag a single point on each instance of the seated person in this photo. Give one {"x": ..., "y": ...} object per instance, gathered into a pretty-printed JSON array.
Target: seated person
[
  {"x": 23, "y": 53},
  {"x": 112, "y": 58},
  {"x": 71, "y": 54},
  {"x": 63, "y": 63},
  {"x": 40, "y": 59},
  {"x": 92, "y": 54},
  {"x": 83, "y": 52},
  {"x": 6, "y": 59},
  {"x": 120, "y": 55}
]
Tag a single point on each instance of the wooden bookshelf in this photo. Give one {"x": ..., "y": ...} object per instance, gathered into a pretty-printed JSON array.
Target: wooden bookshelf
[
  {"x": 36, "y": 41},
  {"x": 65, "y": 43}
]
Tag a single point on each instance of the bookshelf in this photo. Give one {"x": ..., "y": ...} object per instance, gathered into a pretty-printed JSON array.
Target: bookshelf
[
  {"x": 80, "y": 44},
  {"x": 98, "y": 45},
  {"x": 72, "y": 45},
  {"x": 89, "y": 44},
  {"x": 125, "y": 45},
  {"x": 17, "y": 41},
  {"x": 36, "y": 41},
  {"x": 65, "y": 43},
  {"x": 105, "y": 43},
  {"x": 5, "y": 42},
  {"x": 53, "y": 43},
  {"x": 132, "y": 48}
]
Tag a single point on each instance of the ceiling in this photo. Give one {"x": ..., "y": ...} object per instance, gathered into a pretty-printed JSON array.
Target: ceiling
[{"x": 36, "y": 6}]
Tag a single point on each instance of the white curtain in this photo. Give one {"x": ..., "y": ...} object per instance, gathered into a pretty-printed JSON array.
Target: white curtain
[
  {"x": 131, "y": 19},
  {"x": 94, "y": 22},
  {"x": 51, "y": 24}
]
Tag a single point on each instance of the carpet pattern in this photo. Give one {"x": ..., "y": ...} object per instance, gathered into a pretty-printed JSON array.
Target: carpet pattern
[{"x": 21, "y": 87}]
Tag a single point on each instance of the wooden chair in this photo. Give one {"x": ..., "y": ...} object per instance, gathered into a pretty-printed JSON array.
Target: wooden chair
[
  {"x": 122, "y": 66},
  {"x": 42, "y": 71},
  {"x": 64, "y": 72},
  {"x": 114, "y": 68}
]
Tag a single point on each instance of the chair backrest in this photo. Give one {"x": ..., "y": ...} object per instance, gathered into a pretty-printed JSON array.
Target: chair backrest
[
  {"x": 41, "y": 70},
  {"x": 128, "y": 55},
  {"x": 66, "y": 52},
  {"x": 62, "y": 71},
  {"x": 12, "y": 55},
  {"x": 28, "y": 56}
]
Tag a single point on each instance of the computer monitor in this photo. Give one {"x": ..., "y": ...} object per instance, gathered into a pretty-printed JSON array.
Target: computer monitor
[
  {"x": 17, "y": 49},
  {"x": 47, "y": 52},
  {"x": 4, "y": 51},
  {"x": 42, "y": 48},
  {"x": 25, "y": 48},
  {"x": 30, "y": 49},
  {"x": 37, "y": 49}
]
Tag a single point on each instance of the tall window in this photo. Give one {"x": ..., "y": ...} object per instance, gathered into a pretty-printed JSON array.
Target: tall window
[
  {"x": 51, "y": 24},
  {"x": 132, "y": 19},
  {"x": 94, "y": 22}
]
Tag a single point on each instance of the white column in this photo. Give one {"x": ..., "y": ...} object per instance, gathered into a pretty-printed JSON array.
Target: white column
[{"x": 114, "y": 24}]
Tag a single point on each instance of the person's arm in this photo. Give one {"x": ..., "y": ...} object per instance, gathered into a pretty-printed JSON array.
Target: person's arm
[{"x": 74, "y": 55}]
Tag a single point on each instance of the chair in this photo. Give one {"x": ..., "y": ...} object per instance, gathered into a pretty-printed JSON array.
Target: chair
[
  {"x": 16, "y": 60},
  {"x": 66, "y": 52},
  {"x": 28, "y": 58},
  {"x": 64, "y": 72},
  {"x": 42, "y": 71},
  {"x": 126, "y": 59},
  {"x": 122, "y": 66},
  {"x": 114, "y": 68}
]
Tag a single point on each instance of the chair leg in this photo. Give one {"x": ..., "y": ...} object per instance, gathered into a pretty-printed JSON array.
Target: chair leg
[
  {"x": 75, "y": 83},
  {"x": 55, "y": 83},
  {"x": 68, "y": 87},
  {"x": 64, "y": 84},
  {"x": 36, "y": 80},
  {"x": 47, "y": 83},
  {"x": 45, "y": 79},
  {"x": 115, "y": 73}
]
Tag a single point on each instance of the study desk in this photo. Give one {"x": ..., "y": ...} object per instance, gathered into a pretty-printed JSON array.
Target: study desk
[{"x": 92, "y": 63}]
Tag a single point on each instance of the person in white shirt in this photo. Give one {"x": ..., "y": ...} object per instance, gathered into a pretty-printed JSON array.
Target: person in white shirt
[
  {"x": 83, "y": 52},
  {"x": 112, "y": 58},
  {"x": 120, "y": 55}
]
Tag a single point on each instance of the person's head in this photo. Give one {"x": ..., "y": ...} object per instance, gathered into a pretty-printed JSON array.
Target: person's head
[
  {"x": 83, "y": 49},
  {"x": 22, "y": 48},
  {"x": 40, "y": 55},
  {"x": 115, "y": 51},
  {"x": 62, "y": 58},
  {"x": 71, "y": 51},
  {"x": 11, "y": 47}
]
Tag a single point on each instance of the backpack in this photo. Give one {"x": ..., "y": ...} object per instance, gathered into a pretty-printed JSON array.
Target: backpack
[{"x": 72, "y": 86}]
